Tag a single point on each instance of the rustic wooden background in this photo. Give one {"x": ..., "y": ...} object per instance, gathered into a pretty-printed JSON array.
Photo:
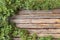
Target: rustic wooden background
[{"x": 42, "y": 22}]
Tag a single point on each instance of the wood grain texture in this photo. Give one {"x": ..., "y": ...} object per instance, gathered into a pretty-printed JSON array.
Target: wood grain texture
[
  {"x": 37, "y": 15},
  {"x": 38, "y": 25},
  {"x": 56, "y": 11},
  {"x": 36, "y": 20},
  {"x": 53, "y": 35},
  {"x": 35, "y": 11},
  {"x": 44, "y": 31},
  {"x": 41, "y": 22},
  {"x": 45, "y": 35}
]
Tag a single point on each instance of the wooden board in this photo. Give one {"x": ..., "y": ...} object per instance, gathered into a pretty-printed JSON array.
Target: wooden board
[
  {"x": 44, "y": 31},
  {"x": 38, "y": 26},
  {"x": 36, "y": 21},
  {"x": 53, "y": 35},
  {"x": 37, "y": 15},
  {"x": 42, "y": 22}
]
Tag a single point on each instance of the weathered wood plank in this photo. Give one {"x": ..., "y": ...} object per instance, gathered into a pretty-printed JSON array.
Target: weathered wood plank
[
  {"x": 38, "y": 25},
  {"x": 44, "y": 31},
  {"x": 53, "y": 35},
  {"x": 36, "y": 20},
  {"x": 45, "y": 35},
  {"x": 40, "y": 11},
  {"x": 56, "y": 11},
  {"x": 45, "y": 15},
  {"x": 45, "y": 20},
  {"x": 38, "y": 14},
  {"x": 44, "y": 23},
  {"x": 22, "y": 20},
  {"x": 35, "y": 11}
]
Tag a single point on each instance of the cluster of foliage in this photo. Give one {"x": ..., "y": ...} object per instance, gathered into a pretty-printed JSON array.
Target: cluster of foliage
[
  {"x": 41, "y": 4},
  {"x": 9, "y": 8},
  {"x": 24, "y": 35}
]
